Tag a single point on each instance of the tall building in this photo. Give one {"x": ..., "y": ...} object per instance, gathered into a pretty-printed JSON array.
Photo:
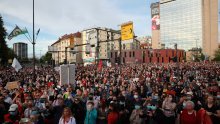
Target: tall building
[
  {"x": 102, "y": 39},
  {"x": 155, "y": 19},
  {"x": 21, "y": 50},
  {"x": 190, "y": 24},
  {"x": 67, "y": 41}
]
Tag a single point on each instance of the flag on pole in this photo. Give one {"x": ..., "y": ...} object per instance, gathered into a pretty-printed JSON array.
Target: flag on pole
[
  {"x": 16, "y": 65},
  {"x": 38, "y": 31},
  {"x": 17, "y": 31}
]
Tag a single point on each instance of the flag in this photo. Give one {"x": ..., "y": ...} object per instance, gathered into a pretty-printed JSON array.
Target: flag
[
  {"x": 24, "y": 31},
  {"x": 38, "y": 31},
  {"x": 16, "y": 65},
  {"x": 17, "y": 31},
  {"x": 100, "y": 66}
]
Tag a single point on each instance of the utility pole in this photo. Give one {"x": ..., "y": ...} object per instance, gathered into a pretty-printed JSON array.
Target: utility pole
[
  {"x": 177, "y": 61},
  {"x": 97, "y": 47},
  {"x": 34, "y": 76},
  {"x": 65, "y": 55},
  {"x": 120, "y": 55}
]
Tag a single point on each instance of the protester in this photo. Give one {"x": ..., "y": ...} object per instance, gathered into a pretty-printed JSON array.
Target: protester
[
  {"x": 67, "y": 117},
  {"x": 91, "y": 114},
  {"x": 188, "y": 115}
]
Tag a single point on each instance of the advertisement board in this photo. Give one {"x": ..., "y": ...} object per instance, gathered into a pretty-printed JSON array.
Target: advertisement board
[
  {"x": 155, "y": 16},
  {"x": 127, "y": 31}
]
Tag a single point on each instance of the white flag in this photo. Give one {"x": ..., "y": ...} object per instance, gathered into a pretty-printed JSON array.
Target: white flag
[{"x": 16, "y": 65}]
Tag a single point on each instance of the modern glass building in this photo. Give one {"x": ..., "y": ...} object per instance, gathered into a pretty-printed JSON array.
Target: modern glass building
[
  {"x": 181, "y": 23},
  {"x": 190, "y": 24}
]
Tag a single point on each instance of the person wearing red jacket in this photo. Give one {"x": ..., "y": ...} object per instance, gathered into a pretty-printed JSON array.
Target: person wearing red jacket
[
  {"x": 188, "y": 115},
  {"x": 13, "y": 115},
  {"x": 113, "y": 114}
]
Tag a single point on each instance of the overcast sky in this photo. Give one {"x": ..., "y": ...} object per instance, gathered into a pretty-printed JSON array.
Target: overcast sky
[{"x": 58, "y": 17}]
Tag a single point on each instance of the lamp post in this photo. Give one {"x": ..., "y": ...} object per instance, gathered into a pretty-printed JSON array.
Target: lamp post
[{"x": 33, "y": 43}]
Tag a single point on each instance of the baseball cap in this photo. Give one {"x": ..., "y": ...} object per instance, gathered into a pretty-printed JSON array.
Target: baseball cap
[{"x": 13, "y": 107}]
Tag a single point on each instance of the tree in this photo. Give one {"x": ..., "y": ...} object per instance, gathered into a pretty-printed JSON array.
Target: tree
[
  {"x": 217, "y": 55},
  {"x": 47, "y": 57},
  {"x": 3, "y": 45}
]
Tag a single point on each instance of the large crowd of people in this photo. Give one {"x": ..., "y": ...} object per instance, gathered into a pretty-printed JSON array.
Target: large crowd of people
[{"x": 184, "y": 93}]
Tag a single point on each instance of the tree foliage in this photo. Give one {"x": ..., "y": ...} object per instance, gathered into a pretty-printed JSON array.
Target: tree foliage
[
  {"x": 217, "y": 55},
  {"x": 46, "y": 58},
  {"x": 3, "y": 45}
]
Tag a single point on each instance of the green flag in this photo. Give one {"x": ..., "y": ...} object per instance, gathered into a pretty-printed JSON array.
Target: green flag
[{"x": 17, "y": 31}]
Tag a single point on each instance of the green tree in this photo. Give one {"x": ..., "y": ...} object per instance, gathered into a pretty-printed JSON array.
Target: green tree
[
  {"x": 47, "y": 57},
  {"x": 217, "y": 55},
  {"x": 3, "y": 45}
]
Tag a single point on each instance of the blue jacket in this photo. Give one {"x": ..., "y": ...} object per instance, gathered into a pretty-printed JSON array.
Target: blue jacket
[{"x": 91, "y": 117}]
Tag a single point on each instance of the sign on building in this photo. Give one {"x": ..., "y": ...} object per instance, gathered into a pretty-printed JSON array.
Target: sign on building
[
  {"x": 127, "y": 33},
  {"x": 67, "y": 74},
  {"x": 155, "y": 16}
]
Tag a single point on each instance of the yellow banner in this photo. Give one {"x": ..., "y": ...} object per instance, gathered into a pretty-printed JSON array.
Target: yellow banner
[{"x": 127, "y": 31}]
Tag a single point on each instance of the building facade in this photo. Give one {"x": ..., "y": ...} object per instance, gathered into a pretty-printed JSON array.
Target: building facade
[
  {"x": 190, "y": 24},
  {"x": 21, "y": 50},
  {"x": 147, "y": 56},
  {"x": 98, "y": 42},
  {"x": 66, "y": 42}
]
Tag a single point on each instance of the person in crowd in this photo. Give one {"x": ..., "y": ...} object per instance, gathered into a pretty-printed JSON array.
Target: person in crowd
[
  {"x": 58, "y": 110},
  {"x": 113, "y": 115},
  {"x": 67, "y": 117},
  {"x": 188, "y": 115},
  {"x": 169, "y": 108},
  {"x": 4, "y": 106},
  {"x": 13, "y": 116},
  {"x": 78, "y": 111},
  {"x": 135, "y": 115},
  {"x": 102, "y": 113},
  {"x": 212, "y": 109},
  {"x": 91, "y": 114}
]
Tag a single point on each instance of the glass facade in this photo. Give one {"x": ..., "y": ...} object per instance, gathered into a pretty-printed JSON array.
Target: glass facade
[{"x": 181, "y": 23}]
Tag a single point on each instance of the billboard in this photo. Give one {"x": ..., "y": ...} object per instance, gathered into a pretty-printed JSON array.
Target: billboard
[
  {"x": 127, "y": 31},
  {"x": 155, "y": 16}
]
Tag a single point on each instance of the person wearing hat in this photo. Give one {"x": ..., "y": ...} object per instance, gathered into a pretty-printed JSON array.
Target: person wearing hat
[{"x": 13, "y": 115}]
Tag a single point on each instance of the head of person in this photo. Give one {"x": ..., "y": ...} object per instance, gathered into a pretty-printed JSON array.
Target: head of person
[
  {"x": 1, "y": 98},
  {"x": 90, "y": 106},
  {"x": 67, "y": 112},
  {"x": 112, "y": 107},
  {"x": 30, "y": 103},
  {"x": 13, "y": 110},
  {"x": 189, "y": 106},
  {"x": 137, "y": 106},
  {"x": 136, "y": 96},
  {"x": 170, "y": 98},
  {"x": 210, "y": 99},
  {"x": 34, "y": 116}
]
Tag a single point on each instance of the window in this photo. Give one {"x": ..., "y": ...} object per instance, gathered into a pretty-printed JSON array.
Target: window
[
  {"x": 133, "y": 54},
  {"x": 130, "y": 54},
  {"x": 125, "y": 54}
]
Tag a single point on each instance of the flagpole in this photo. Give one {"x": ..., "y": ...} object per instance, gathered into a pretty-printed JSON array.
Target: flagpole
[{"x": 33, "y": 46}]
